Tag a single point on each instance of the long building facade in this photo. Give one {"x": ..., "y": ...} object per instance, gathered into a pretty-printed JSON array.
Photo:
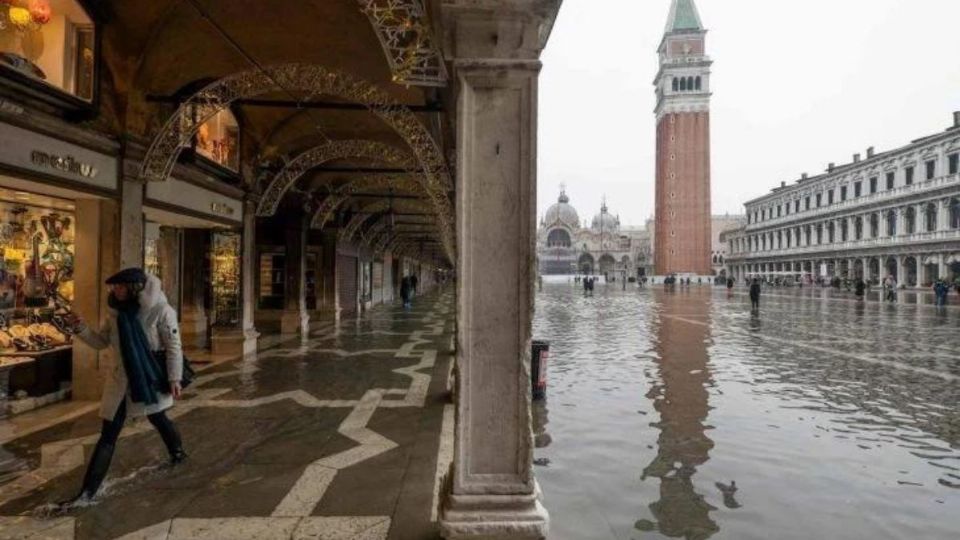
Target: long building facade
[{"x": 894, "y": 213}]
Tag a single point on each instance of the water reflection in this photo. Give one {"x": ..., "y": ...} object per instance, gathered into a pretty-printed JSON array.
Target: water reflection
[
  {"x": 829, "y": 413},
  {"x": 680, "y": 396}
]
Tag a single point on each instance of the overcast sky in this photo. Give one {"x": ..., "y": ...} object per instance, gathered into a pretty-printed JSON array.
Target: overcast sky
[{"x": 797, "y": 84}]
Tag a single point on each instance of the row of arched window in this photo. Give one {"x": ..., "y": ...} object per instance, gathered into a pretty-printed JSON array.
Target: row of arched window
[
  {"x": 831, "y": 232},
  {"x": 685, "y": 84}
]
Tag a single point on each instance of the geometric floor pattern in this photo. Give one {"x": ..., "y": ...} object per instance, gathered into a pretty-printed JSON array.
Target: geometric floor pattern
[{"x": 344, "y": 435}]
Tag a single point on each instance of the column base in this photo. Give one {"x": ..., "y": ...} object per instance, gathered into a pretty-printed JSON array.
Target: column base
[
  {"x": 494, "y": 517},
  {"x": 295, "y": 322},
  {"x": 234, "y": 342}
]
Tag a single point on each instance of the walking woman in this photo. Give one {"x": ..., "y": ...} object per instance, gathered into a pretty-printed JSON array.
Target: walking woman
[{"x": 142, "y": 331}]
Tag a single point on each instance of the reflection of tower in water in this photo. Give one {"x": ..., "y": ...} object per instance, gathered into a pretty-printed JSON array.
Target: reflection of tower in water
[{"x": 681, "y": 398}]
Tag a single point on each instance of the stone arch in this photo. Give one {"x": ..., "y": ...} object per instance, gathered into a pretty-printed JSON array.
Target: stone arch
[
  {"x": 585, "y": 264},
  {"x": 315, "y": 79},
  {"x": 558, "y": 237},
  {"x": 606, "y": 263},
  {"x": 321, "y": 154},
  {"x": 329, "y": 205}
]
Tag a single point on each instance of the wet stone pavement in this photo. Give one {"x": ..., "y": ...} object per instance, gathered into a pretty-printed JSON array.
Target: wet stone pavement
[
  {"x": 337, "y": 437},
  {"x": 682, "y": 415}
]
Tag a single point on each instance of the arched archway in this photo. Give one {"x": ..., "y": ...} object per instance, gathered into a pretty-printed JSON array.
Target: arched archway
[
  {"x": 607, "y": 264},
  {"x": 586, "y": 264},
  {"x": 558, "y": 238},
  {"x": 325, "y": 211},
  {"x": 321, "y": 154},
  {"x": 204, "y": 104}
]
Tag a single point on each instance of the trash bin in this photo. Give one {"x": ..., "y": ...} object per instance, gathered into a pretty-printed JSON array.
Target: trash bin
[{"x": 538, "y": 368}]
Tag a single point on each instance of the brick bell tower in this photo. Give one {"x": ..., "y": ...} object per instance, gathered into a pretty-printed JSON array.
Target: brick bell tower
[{"x": 682, "y": 240}]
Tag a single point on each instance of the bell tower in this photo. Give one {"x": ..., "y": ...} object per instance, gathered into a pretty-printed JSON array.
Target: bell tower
[{"x": 682, "y": 242}]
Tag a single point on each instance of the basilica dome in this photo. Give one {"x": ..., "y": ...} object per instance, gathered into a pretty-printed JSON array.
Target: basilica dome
[
  {"x": 605, "y": 221},
  {"x": 562, "y": 214}
]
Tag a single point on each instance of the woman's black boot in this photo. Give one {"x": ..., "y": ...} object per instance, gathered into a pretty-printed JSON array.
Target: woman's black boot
[{"x": 93, "y": 479}]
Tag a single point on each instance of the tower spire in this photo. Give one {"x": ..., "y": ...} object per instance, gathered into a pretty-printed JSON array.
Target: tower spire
[{"x": 683, "y": 17}]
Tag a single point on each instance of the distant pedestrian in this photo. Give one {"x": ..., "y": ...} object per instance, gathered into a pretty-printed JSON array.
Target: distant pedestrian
[
  {"x": 861, "y": 289},
  {"x": 890, "y": 286},
  {"x": 405, "y": 290},
  {"x": 755, "y": 294},
  {"x": 941, "y": 290}
]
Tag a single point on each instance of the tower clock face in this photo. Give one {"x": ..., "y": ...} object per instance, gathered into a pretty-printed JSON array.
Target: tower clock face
[{"x": 687, "y": 48}]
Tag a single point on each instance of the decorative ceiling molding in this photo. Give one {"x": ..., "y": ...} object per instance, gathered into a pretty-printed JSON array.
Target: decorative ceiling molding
[
  {"x": 407, "y": 39},
  {"x": 314, "y": 80},
  {"x": 332, "y": 202},
  {"x": 318, "y": 155}
]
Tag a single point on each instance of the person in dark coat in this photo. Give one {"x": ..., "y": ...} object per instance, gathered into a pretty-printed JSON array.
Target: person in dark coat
[
  {"x": 861, "y": 288},
  {"x": 755, "y": 294},
  {"x": 405, "y": 289},
  {"x": 141, "y": 324}
]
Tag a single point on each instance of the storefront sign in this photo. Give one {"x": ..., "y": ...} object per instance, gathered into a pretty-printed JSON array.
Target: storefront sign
[
  {"x": 222, "y": 209},
  {"x": 63, "y": 163},
  {"x": 178, "y": 195},
  {"x": 25, "y": 150}
]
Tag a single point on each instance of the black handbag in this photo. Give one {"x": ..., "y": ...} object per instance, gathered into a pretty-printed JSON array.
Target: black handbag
[{"x": 188, "y": 373}]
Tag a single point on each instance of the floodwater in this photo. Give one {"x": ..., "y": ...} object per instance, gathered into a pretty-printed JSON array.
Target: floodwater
[{"x": 682, "y": 415}]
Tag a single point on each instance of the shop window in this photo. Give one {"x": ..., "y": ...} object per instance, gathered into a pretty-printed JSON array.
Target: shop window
[
  {"x": 225, "y": 279},
  {"x": 50, "y": 41},
  {"x": 218, "y": 139},
  {"x": 36, "y": 257},
  {"x": 272, "y": 279}
]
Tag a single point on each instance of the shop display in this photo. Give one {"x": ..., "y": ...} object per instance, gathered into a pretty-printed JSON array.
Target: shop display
[
  {"x": 272, "y": 275},
  {"x": 225, "y": 278},
  {"x": 36, "y": 278},
  {"x": 218, "y": 139},
  {"x": 29, "y": 33}
]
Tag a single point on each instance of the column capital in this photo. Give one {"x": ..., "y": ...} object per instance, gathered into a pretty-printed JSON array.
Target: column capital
[{"x": 497, "y": 28}]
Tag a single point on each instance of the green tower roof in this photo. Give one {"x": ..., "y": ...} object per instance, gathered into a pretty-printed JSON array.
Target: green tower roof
[{"x": 683, "y": 16}]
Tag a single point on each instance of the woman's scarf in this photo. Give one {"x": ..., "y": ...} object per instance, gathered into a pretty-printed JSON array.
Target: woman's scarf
[{"x": 143, "y": 373}]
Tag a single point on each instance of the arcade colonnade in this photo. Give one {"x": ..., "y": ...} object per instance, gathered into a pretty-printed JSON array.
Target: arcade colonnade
[{"x": 272, "y": 184}]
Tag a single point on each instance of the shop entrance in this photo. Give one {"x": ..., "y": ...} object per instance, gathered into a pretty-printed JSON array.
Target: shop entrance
[{"x": 198, "y": 263}]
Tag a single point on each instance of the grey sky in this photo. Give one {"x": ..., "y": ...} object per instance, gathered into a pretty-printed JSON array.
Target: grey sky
[{"x": 796, "y": 85}]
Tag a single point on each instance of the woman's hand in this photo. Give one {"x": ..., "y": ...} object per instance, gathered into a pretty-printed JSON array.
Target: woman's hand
[{"x": 175, "y": 389}]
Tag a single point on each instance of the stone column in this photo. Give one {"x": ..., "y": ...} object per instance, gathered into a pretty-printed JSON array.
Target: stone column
[
  {"x": 327, "y": 288},
  {"x": 942, "y": 266},
  {"x": 866, "y": 269},
  {"x": 495, "y": 46},
  {"x": 98, "y": 246},
  {"x": 901, "y": 221},
  {"x": 295, "y": 319},
  {"x": 131, "y": 223},
  {"x": 943, "y": 215},
  {"x": 248, "y": 275},
  {"x": 195, "y": 286}
]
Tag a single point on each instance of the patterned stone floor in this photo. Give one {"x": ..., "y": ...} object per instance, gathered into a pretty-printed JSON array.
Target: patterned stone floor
[{"x": 341, "y": 436}]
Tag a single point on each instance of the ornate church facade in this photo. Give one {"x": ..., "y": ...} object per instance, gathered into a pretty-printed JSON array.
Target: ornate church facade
[{"x": 604, "y": 247}]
